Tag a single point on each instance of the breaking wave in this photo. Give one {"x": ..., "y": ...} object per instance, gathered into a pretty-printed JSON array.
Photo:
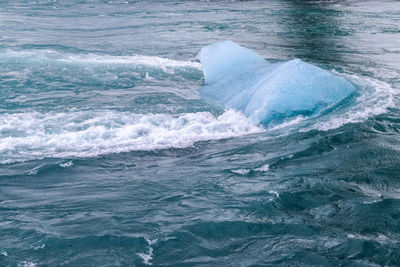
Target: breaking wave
[
  {"x": 34, "y": 135},
  {"x": 90, "y": 58}
]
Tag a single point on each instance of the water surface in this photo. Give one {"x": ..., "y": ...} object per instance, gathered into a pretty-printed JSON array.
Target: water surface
[{"x": 109, "y": 156}]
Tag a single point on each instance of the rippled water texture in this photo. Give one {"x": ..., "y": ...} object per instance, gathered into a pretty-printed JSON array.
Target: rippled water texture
[{"x": 109, "y": 156}]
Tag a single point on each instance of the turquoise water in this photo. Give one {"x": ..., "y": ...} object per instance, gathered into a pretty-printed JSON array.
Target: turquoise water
[{"x": 109, "y": 155}]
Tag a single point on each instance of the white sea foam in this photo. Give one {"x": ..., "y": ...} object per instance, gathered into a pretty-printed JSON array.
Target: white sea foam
[
  {"x": 288, "y": 123},
  {"x": 29, "y": 136},
  {"x": 66, "y": 164},
  {"x": 263, "y": 168},
  {"x": 90, "y": 58},
  {"x": 33, "y": 171},
  {"x": 273, "y": 192},
  {"x": 147, "y": 257},
  {"x": 42, "y": 246},
  {"x": 135, "y": 59},
  {"x": 241, "y": 171}
]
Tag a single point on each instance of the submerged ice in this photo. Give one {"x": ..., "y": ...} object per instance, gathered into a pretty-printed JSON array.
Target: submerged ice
[{"x": 236, "y": 77}]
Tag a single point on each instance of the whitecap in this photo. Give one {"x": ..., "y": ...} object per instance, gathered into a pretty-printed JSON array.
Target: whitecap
[
  {"x": 272, "y": 192},
  {"x": 241, "y": 171},
  {"x": 91, "y": 58},
  {"x": 66, "y": 164},
  {"x": 153, "y": 61},
  {"x": 34, "y": 135},
  {"x": 263, "y": 168},
  {"x": 147, "y": 257}
]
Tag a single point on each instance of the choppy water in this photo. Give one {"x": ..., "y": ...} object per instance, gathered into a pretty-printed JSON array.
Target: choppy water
[{"x": 109, "y": 156}]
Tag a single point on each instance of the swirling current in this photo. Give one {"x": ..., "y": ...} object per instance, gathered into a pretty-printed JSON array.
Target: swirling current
[{"x": 110, "y": 156}]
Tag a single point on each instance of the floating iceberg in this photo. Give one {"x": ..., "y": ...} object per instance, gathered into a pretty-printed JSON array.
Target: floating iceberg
[{"x": 236, "y": 77}]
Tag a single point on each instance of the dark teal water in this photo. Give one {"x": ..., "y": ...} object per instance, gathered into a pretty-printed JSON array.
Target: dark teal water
[{"x": 110, "y": 157}]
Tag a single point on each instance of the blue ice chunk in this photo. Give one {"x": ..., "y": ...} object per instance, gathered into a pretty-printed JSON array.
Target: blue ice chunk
[{"x": 236, "y": 77}]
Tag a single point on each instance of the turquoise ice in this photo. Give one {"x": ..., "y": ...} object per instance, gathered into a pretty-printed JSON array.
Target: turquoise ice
[{"x": 238, "y": 78}]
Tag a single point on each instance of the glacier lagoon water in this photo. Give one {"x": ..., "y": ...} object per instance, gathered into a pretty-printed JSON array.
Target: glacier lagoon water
[
  {"x": 109, "y": 155},
  {"x": 238, "y": 78}
]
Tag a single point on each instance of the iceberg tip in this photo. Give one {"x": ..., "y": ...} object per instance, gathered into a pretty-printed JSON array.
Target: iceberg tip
[{"x": 236, "y": 77}]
